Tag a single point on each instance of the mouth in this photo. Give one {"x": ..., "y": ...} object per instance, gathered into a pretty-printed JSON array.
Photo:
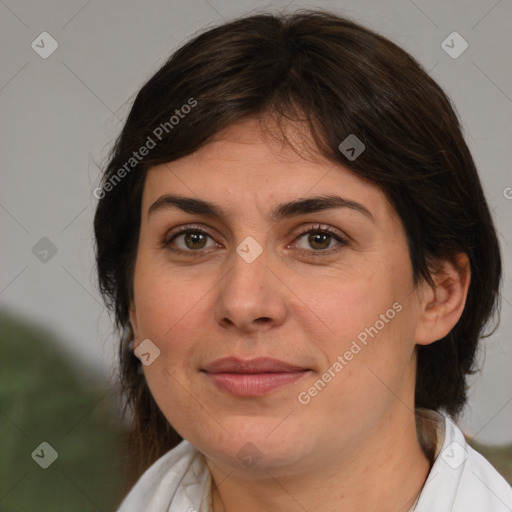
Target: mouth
[{"x": 254, "y": 377}]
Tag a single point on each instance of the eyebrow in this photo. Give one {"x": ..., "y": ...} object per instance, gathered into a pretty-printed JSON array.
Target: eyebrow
[{"x": 283, "y": 210}]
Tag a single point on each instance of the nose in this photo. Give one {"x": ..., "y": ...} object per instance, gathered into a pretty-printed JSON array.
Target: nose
[{"x": 251, "y": 297}]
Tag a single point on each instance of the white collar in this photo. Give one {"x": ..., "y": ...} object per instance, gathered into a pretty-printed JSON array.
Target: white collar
[{"x": 461, "y": 480}]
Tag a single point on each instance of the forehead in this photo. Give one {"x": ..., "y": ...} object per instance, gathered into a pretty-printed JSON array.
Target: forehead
[
  {"x": 258, "y": 149},
  {"x": 240, "y": 166}
]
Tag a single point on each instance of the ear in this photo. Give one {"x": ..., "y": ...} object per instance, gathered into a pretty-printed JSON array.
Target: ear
[{"x": 443, "y": 303}]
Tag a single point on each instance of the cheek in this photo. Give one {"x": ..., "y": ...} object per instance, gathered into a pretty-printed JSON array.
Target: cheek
[
  {"x": 370, "y": 315},
  {"x": 170, "y": 309},
  {"x": 352, "y": 303},
  {"x": 172, "y": 313},
  {"x": 159, "y": 299}
]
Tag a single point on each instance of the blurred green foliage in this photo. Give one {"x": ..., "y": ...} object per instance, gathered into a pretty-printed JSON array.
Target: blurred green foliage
[
  {"x": 499, "y": 456},
  {"x": 44, "y": 396}
]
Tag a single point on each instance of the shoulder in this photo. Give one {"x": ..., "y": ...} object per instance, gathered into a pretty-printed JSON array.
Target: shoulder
[
  {"x": 480, "y": 483},
  {"x": 178, "y": 476},
  {"x": 461, "y": 479}
]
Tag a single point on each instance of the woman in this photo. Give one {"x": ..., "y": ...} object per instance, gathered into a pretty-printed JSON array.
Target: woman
[{"x": 294, "y": 239}]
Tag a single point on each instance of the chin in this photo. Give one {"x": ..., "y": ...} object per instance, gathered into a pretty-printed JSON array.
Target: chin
[{"x": 253, "y": 445}]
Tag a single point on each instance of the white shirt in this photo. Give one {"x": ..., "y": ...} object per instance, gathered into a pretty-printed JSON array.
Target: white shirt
[{"x": 461, "y": 480}]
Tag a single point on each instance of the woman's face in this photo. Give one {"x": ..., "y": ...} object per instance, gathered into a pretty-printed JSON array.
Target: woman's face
[{"x": 324, "y": 289}]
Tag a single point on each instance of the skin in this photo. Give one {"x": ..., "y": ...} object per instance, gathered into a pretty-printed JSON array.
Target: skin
[{"x": 353, "y": 446}]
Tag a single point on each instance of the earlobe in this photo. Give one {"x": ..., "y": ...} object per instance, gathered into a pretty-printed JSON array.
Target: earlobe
[{"x": 443, "y": 304}]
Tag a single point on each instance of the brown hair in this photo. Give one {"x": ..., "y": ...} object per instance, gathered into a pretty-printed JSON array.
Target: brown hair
[{"x": 338, "y": 78}]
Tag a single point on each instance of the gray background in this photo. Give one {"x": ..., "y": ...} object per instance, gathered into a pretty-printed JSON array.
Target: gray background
[{"x": 59, "y": 116}]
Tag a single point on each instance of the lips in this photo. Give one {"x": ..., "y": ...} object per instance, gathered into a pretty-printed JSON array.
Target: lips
[
  {"x": 254, "y": 377},
  {"x": 258, "y": 365}
]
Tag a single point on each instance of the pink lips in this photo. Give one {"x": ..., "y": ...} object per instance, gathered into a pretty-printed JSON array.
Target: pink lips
[{"x": 254, "y": 377}]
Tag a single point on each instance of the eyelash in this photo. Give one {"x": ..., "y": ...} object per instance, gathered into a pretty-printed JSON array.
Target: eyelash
[{"x": 342, "y": 242}]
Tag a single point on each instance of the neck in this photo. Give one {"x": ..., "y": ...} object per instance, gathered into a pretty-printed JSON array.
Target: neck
[{"x": 386, "y": 471}]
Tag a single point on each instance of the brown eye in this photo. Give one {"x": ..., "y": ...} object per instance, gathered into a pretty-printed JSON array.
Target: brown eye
[
  {"x": 320, "y": 240},
  {"x": 189, "y": 240},
  {"x": 194, "y": 240}
]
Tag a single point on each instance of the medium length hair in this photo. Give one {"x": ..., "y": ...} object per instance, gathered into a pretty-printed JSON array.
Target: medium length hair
[{"x": 336, "y": 78}]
